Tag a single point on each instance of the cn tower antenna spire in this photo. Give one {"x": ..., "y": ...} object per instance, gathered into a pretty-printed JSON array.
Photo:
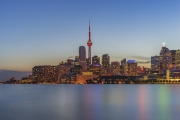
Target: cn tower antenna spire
[{"x": 89, "y": 31}]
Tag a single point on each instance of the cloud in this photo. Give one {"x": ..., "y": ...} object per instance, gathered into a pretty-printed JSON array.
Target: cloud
[
  {"x": 142, "y": 57},
  {"x": 142, "y": 62}
]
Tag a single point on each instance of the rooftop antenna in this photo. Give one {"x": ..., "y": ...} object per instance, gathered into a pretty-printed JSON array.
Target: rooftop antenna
[{"x": 163, "y": 44}]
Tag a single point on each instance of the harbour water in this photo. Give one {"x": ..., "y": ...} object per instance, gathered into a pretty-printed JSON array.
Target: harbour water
[{"x": 90, "y": 102}]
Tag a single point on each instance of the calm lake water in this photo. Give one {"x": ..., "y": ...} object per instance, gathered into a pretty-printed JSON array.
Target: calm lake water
[{"x": 90, "y": 102}]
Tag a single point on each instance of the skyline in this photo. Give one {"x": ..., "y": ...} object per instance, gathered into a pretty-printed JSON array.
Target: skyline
[{"x": 48, "y": 32}]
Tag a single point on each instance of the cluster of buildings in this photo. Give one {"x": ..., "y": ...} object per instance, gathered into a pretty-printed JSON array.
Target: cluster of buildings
[{"x": 86, "y": 69}]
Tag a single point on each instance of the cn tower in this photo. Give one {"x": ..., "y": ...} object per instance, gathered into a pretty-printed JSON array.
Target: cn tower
[{"x": 89, "y": 44}]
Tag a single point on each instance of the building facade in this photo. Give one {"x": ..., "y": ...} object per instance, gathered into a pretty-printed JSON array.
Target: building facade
[
  {"x": 105, "y": 64},
  {"x": 177, "y": 58},
  {"x": 165, "y": 59},
  {"x": 132, "y": 68},
  {"x": 155, "y": 63},
  {"x": 82, "y": 57},
  {"x": 45, "y": 73},
  {"x": 115, "y": 68}
]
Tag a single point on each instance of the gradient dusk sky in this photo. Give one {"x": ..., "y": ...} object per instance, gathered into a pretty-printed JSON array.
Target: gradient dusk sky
[{"x": 46, "y": 32}]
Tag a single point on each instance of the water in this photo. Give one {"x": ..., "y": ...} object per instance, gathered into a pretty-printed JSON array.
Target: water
[{"x": 89, "y": 102}]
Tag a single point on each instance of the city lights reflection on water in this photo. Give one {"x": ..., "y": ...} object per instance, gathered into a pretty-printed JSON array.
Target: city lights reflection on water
[{"x": 89, "y": 102}]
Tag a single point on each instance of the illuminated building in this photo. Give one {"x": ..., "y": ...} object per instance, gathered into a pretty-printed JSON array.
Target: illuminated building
[
  {"x": 115, "y": 68},
  {"x": 105, "y": 64},
  {"x": 132, "y": 68},
  {"x": 89, "y": 44},
  {"x": 123, "y": 67},
  {"x": 95, "y": 60},
  {"x": 45, "y": 73},
  {"x": 177, "y": 58},
  {"x": 82, "y": 57},
  {"x": 165, "y": 58},
  {"x": 173, "y": 54},
  {"x": 61, "y": 70},
  {"x": 155, "y": 63},
  {"x": 95, "y": 66},
  {"x": 76, "y": 62}
]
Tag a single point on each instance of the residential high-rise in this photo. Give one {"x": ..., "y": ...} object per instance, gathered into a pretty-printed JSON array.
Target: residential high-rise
[
  {"x": 115, "y": 68},
  {"x": 89, "y": 44},
  {"x": 155, "y": 63},
  {"x": 82, "y": 57},
  {"x": 45, "y": 73},
  {"x": 105, "y": 64},
  {"x": 132, "y": 68}
]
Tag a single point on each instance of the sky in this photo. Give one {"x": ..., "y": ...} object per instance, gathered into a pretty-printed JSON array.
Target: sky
[{"x": 46, "y": 32}]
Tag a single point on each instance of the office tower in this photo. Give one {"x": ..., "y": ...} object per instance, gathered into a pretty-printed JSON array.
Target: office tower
[
  {"x": 45, "y": 73},
  {"x": 115, "y": 68},
  {"x": 95, "y": 60},
  {"x": 173, "y": 54},
  {"x": 89, "y": 44},
  {"x": 165, "y": 58},
  {"x": 177, "y": 58},
  {"x": 123, "y": 67},
  {"x": 82, "y": 57},
  {"x": 132, "y": 68},
  {"x": 95, "y": 66},
  {"x": 105, "y": 64},
  {"x": 155, "y": 63}
]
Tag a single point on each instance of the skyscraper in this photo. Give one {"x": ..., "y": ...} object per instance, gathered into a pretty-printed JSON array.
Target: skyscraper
[
  {"x": 132, "y": 68},
  {"x": 165, "y": 58},
  {"x": 82, "y": 57},
  {"x": 115, "y": 68},
  {"x": 105, "y": 64},
  {"x": 95, "y": 60},
  {"x": 123, "y": 67},
  {"x": 155, "y": 63},
  {"x": 173, "y": 54},
  {"x": 89, "y": 44}
]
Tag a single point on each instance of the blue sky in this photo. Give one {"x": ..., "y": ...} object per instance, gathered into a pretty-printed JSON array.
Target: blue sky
[{"x": 46, "y": 32}]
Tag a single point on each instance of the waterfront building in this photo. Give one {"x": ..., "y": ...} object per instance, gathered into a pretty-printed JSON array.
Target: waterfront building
[
  {"x": 45, "y": 73},
  {"x": 115, "y": 68},
  {"x": 155, "y": 63},
  {"x": 132, "y": 68}
]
